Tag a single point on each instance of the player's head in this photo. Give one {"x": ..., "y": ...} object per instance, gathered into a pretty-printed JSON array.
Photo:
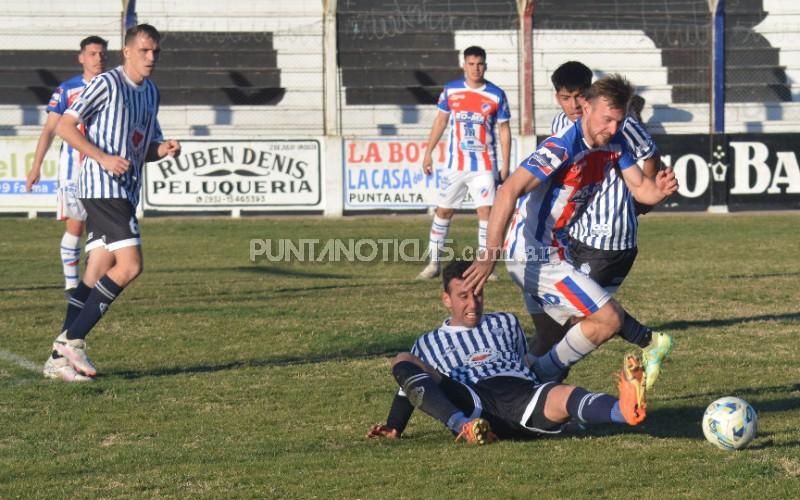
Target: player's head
[
  {"x": 571, "y": 80},
  {"x": 93, "y": 56},
  {"x": 474, "y": 65},
  {"x": 604, "y": 108},
  {"x": 141, "y": 51},
  {"x": 465, "y": 306}
]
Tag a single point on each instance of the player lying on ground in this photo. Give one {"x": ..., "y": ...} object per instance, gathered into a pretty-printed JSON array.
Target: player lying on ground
[
  {"x": 470, "y": 374},
  {"x": 562, "y": 175},
  {"x": 603, "y": 239}
]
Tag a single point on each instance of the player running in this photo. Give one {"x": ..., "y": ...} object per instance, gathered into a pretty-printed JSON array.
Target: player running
[
  {"x": 476, "y": 110},
  {"x": 92, "y": 57},
  {"x": 603, "y": 239},
  {"x": 563, "y": 175},
  {"x": 470, "y": 374}
]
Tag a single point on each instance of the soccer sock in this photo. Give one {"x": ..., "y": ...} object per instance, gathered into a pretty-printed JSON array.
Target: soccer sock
[
  {"x": 594, "y": 407},
  {"x": 95, "y": 306},
  {"x": 571, "y": 349},
  {"x": 635, "y": 332},
  {"x": 75, "y": 304},
  {"x": 439, "y": 230},
  {"x": 71, "y": 259},
  {"x": 483, "y": 225},
  {"x": 426, "y": 395}
]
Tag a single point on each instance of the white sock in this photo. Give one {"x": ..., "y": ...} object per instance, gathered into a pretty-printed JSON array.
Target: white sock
[
  {"x": 571, "y": 349},
  {"x": 439, "y": 230},
  {"x": 71, "y": 259},
  {"x": 483, "y": 225}
]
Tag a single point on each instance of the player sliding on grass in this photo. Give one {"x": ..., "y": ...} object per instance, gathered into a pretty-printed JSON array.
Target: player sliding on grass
[
  {"x": 603, "y": 239},
  {"x": 561, "y": 176},
  {"x": 470, "y": 374}
]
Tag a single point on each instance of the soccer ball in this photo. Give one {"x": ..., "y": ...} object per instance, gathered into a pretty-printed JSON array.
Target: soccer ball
[{"x": 730, "y": 423}]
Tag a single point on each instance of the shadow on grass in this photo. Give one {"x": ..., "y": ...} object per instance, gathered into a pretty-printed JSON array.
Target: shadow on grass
[
  {"x": 759, "y": 276},
  {"x": 31, "y": 288},
  {"x": 711, "y": 323},
  {"x": 383, "y": 350}
]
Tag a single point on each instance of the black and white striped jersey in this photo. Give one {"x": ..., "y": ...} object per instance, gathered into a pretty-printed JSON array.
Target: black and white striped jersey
[
  {"x": 609, "y": 221},
  {"x": 121, "y": 120}
]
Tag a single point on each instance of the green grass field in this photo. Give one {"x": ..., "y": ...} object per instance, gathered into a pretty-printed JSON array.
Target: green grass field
[{"x": 227, "y": 378}]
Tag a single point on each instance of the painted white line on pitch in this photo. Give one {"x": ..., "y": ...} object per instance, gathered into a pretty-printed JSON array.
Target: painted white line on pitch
[{"x": 19, "y": 361}]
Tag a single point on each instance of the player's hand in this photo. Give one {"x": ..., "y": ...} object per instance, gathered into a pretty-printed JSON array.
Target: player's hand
[
  {"x": 427, "y": 165},
  {"x": 666, "y": 181},
  {"x": 33, "y": 178},
  {"x": 477, "y": 274},
  {"x": 378, "y": 431},
  {"x": 170, "y": 147},
  {"x": 116, "y": 165}
]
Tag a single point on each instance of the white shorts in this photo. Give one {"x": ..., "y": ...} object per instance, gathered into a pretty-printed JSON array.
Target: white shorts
[
  {"x": 516, "y": 269},
  {"x": 516, "y": 260},
  {"x": 67, "y": 202},
  {"x": 456, "y": 184},
  {"x": 563, "y": 291}
]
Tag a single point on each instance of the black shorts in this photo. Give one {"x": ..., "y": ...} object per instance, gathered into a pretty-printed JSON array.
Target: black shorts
[
  {"x": 513, "y": 406},
  {"x": 110, "y": 223},
  {"x": 608, "y": 268}
]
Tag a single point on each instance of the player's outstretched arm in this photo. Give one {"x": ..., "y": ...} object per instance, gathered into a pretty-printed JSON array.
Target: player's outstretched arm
[
  {"x": 67, "y": 129},
  {"x": 649, "y": 191},
  {"x": 439, "y": 124},
  {"x": 520, "y": 182}
]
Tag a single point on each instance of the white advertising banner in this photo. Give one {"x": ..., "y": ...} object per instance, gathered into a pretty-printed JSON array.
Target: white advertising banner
[
  {"x": 16, "y": 160},
  {"x": 386, "y": 173},
  {"x": 259, "y": 175}
]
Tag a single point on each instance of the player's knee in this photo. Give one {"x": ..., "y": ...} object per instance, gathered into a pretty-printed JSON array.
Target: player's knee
[
  {"x": 403, "y": 370},
  {"x": 403, "y": 356},
  {"x": 445, "y": 213}
]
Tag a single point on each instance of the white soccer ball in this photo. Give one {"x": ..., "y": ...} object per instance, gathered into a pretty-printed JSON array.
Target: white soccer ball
[{"x": 730, "y": 423}]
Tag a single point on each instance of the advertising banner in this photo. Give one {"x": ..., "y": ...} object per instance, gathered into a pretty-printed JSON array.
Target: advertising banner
[
  {"x": 16, "y": 160},
  {"x": 259, "y": 175},
  {"x": 386, "y": 174}
]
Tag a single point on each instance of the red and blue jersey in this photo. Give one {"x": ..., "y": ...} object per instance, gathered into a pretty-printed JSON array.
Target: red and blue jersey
[
  {"x": 570, "y": 172},
  {"x": 472, "y": 144},
  {"x": 62, "y": 98}
]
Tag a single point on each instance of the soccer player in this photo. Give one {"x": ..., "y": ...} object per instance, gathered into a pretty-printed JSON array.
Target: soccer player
[
  {"x": 563, "y": 175},
  {"x": 476, "y": 110},
  {"x": 92, "y": 57},
  {"x": 603, "y": 239},
  {"x": 119, "y": 109},
  {"x": 470, "y": 374}
]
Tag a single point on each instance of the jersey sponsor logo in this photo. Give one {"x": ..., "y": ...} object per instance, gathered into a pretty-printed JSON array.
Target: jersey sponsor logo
[
  {"x": 601, "y": 229},
  {"x": 584, "y": 194},
  {"x": 457, "y": 97},
  {"x": 470, "y": 117},
  {"x": 548, "y": 157},
  {"x": 481, "y": 357}
]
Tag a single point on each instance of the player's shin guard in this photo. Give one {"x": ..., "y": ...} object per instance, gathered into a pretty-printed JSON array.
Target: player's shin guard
[
  {"x": 426, "y": 395},
  {"x": 439, "y": 229},
  {"x": 592, "y": 407},
  {"x": 70, "y": 259},
  {"x": 95, "y": 306},
  {"x": 635, "y": 332}
]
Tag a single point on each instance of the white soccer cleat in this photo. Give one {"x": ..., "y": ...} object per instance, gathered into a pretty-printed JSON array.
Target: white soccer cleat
[
  {"x": 431, "y": 271},
  {"x": 61, "y": 369},
  {"x": 74, "y": 350}
]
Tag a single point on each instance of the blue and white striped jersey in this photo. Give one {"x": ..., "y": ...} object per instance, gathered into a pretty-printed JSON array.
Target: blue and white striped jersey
[
  {"x": 120, "y": 119},
  {"x": 609, "y": 221},
  {"x": 496, "y": 347}
]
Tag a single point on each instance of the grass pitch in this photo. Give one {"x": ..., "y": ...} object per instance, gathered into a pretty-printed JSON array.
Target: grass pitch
[{"x": 223, "y": 377}]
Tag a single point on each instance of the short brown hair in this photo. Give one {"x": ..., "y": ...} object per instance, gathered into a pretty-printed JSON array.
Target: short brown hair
[
  {"x": 144, "y": 29},
  {"x": 615, "y": 88}
]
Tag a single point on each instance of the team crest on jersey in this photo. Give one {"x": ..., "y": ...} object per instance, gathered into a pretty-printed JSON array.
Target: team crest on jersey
[
  {"x": 486, "y": 107},
  {"x": 551, "y": 299},
  {"x": 484, "y": 192},
  {"x": 481, "y": 357},
  {"x": 136, "y": 138}
]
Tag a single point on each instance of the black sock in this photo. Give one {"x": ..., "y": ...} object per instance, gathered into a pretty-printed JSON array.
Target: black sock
[
  {"x": 590, "y": 407},
  {"x": 425, "y": 394},
  {"x": 98, "y": 302},
  {"x": 635, "y": 332},
  {"x": 75, "y": 304}
]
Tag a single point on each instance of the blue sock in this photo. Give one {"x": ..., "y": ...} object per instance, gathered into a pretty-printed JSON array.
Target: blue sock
[
  {"x": 635, "y": 332},
  {"x": 457, "y": 421},
  {"x": 592, "y": 407},
  {"x": 75, "y": 304},
  {"x": 616, "y": 414},
  {"x": 95, "y": 306}
]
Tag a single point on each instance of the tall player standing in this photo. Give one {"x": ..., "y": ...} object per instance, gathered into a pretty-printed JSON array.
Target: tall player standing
[
  {"x": 476, "y": 111},
  {"x": 119, "y": 109},
  {"x": 92, "y": 57}
]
